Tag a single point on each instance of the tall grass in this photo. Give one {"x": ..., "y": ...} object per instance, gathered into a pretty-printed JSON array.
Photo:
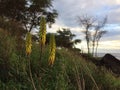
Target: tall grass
[{"x": 69, "y": 71}]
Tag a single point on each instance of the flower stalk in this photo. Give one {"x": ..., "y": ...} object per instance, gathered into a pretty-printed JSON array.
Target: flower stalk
[
  {"x": 28, "y": 52},
  {"x": 42, "y": 35},
  {"x": 52, "y": 50}
]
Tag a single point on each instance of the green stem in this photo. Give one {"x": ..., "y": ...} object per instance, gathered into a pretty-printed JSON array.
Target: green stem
[
  {"x": 41, "y": 49},
  {"x": 31, "y": 78}
]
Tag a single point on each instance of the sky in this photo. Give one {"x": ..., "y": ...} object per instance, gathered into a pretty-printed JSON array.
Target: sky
[{"x": 68, "y": 10}]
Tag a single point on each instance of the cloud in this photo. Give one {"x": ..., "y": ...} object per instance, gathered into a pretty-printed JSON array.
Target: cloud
[{"x": 69, "y": 9}]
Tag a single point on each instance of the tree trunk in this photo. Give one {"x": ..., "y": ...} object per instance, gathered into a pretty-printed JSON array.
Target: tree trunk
[
  {"x": 87, "y": 40},
  {"x": 93, "y": 48},
  {"x": 88, "y": 47},
  {"x": 97, "y": 43}
]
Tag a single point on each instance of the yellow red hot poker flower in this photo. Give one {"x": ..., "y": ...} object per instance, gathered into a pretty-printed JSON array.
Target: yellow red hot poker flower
[
  {"x": 52, "y": 50},
  {"x": 28, "y": 43}
]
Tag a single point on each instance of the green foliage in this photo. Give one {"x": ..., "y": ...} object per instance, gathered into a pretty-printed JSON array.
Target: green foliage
[
  {"x": 7, "y": 44},
  {"x": 7, "y": 47},
  {"x": 14, "y": 29},
  {"x": 64, "y": 38},
  {"x": 69, "y": 72}
]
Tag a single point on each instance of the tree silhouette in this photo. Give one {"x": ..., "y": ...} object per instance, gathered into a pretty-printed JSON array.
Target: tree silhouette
[
  {"x": 64, "y": 38},
  {"x": 28, "y": 12},
  {"x": 98, "y": 33},
  {"x": 87, "y": 22}
]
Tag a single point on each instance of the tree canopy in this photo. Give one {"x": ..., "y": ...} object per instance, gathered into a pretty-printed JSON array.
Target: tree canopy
[
  {"x": 28, "y": 12},
  {"x": 64, "y": 38}
]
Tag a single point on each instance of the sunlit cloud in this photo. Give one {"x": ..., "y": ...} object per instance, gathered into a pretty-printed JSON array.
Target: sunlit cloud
[{"x": 114, "y": 44}]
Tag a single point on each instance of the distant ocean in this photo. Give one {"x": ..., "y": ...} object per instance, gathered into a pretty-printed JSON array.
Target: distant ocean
[{"x": 117, "y": 55}]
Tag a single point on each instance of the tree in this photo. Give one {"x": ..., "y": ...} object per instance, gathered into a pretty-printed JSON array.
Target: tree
[
  {"x": 12, "y": 9},
  {"x": 28, "y": 12},
  {"x": 98, "y": 37},
  {"x": 87, "y": 22},
  {"x": 97, "y": 33},
  {"x": 64, "y": 38}
]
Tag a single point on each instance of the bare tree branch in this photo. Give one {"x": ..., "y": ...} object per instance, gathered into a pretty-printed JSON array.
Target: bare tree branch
[{"x": 87, "y": 22}]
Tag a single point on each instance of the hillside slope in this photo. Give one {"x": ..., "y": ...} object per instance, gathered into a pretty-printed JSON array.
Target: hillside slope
[{"x": 69, "y": 72}]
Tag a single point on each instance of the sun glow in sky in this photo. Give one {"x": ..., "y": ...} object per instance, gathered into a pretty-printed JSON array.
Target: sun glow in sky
[{"x": 68, "y": 10}]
